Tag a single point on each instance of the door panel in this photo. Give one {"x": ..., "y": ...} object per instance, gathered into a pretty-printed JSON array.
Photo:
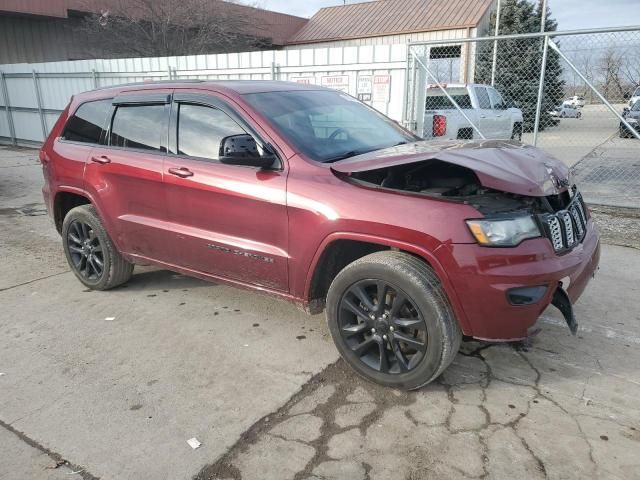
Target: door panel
[
  {"x": 126, "y": 177},
  {"x": 230, "y": 221},
  {"x": 487, "y": 122},
  {"x": 504, "y": 129}
]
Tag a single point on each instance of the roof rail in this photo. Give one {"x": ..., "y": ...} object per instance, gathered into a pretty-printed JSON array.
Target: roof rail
[{"x": 150, "y": 82}]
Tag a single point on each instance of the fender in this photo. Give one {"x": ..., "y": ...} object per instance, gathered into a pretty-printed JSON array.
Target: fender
[{"x": 427, "y": 255}]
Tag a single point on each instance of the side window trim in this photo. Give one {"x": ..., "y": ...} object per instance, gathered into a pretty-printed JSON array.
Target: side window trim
[
  {"x": 138, "y": 102},
  {"x": 209, "y": 100}
]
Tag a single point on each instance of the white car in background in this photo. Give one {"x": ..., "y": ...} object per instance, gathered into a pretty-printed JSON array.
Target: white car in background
[
  {"x": 575, "y": 101},
  {"x": 482, "y": 104},
  {"x": 566, "y": 111}
]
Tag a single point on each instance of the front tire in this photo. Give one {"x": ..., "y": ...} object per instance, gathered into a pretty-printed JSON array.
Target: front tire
[
  {"x": 90, "y": 252},
  {"x": 391, "y": 321}
]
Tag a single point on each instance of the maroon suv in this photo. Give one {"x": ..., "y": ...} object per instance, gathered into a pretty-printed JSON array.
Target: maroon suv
[{"x": 307, "y": 194}]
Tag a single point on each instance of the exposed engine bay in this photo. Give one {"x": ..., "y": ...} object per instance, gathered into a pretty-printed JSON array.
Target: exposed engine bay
[{"x": 435, "y": 178}]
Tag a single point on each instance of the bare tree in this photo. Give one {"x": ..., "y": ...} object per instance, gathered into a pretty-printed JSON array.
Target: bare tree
[
  {"x": 151, "y": 28},
  {"x": 613, "y": 86}
]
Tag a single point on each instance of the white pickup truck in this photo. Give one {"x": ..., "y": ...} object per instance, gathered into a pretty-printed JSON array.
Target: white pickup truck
[{"x": 484, "y": 106}]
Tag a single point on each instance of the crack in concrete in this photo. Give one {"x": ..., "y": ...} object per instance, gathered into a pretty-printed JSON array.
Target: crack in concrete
[
  {"x": 54, "y": 455},
  {"x": 33, "y": 281},
  {"x": 385, "y": 399}
]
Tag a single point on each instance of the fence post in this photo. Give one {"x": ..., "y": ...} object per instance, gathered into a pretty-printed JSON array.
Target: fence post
[
  {"x": 94, "y": 75},
  {"x": 543, "y": 70},
  {"x": 494, "y": 62},
  {"x": 273, "y": 71},
  {"x": 7, "y": 108},
  {"x": 43, "y": 120}
]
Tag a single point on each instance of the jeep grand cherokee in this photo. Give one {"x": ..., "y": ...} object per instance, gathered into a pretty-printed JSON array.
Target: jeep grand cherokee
[{"x": 309, "y": 195}]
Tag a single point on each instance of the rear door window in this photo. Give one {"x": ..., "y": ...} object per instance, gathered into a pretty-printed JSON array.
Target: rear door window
[
  {"x": 483, "y": 98},
  {"x": 141, "y": 127},
  {"x": 87, "y": 124},
  {"x": 201, "y": 130}
]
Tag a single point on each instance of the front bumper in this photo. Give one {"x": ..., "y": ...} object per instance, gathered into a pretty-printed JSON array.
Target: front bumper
[{"x": 481, "y": 278}]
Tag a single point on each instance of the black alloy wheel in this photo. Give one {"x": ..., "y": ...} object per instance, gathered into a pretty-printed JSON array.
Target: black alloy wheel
[
  {"x": 85, "y": 250},
  {"x": 382, "y": 327},
  {"x": 91, "y": 254}
]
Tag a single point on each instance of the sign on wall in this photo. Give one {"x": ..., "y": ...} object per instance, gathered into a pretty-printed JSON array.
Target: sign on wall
[
  {"x": 336, "y": 82},
  {"x": 365, "y": 88},
  {"x": 303, "y": 80},
  {"x": 381, "y": 88}
]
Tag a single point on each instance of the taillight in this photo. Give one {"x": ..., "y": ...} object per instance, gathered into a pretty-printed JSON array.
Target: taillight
[
  {"x": 439, "y": 125},
  {"x": 43, "y": 156}
]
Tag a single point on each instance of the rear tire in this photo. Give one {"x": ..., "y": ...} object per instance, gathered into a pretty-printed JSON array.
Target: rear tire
[
  {"x": 90, "y": 252},
  {"x": 411, "y": 335}
]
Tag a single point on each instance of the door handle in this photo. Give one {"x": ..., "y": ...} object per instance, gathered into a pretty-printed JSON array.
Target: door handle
[
  {"x": 181, "y": 172},
  {"x": 499, "y": 116},
  {"x": 102, "y": 159}
]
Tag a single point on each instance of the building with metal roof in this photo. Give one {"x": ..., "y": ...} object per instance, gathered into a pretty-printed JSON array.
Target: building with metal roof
[{"x": 381, "y": 22}]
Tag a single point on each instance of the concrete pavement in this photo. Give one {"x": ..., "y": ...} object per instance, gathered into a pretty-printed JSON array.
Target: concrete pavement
[{"x": 257, "y": 382}]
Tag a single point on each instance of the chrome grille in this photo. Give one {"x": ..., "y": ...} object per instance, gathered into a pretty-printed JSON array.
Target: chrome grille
[
  {"x": 567, "y": 228},
  {"x": 556, "y": 233}
]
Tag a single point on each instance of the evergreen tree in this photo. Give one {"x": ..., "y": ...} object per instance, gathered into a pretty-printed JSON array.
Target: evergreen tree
[{"x": 518, "y": 62}]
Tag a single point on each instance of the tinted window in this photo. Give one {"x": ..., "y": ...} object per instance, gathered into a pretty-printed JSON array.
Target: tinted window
[
  {"x": 483, "y": 98},
  {"x": 139, "y": 126},
  {"x": 441, "y": 102},
  {"x": 327, "y": 125},
  {"x": 87, "y": 123},
  {"x": 201, "y": 130}
]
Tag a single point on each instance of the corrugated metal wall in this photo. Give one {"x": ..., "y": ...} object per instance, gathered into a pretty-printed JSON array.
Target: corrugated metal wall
[
  {"x": 36, "y": 93},
  {"x": 33, "y": 39}
]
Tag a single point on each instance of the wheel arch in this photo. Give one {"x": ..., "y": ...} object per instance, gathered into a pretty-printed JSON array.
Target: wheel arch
[
  {"x": 81, "y": 197},
  {"x": 65, "y": 200},
  {"x": 325, "y": 266}
]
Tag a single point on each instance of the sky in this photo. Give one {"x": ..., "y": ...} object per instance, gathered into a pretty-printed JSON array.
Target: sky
[{"x": 571, "y": 14}]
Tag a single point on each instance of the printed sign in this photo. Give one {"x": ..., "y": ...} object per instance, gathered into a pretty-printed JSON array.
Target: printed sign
[
  {"x": 381, "y": 88},
  {"x": 303, "y": 80},
  {"x": 365, "y": 88},
  {"x": 337, "y": 82}
]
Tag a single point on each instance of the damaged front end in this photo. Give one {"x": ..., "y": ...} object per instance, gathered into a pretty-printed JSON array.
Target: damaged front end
[{"x": 520, "y": 193}]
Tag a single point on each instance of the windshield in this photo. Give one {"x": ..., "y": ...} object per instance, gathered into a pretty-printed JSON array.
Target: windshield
[
  {"x": 636, "y": 106},
  {"x": 637, "y": 92},
  {"x": 328, "y": 126}
]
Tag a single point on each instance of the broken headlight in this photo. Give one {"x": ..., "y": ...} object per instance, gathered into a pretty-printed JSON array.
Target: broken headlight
[{"x": 504, "y": 233}]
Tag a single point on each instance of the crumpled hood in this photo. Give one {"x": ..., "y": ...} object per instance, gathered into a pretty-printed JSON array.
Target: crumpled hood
[{"x": 508, "y": 166}]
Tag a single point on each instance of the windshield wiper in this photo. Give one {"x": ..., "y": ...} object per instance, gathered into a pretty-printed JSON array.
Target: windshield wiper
[
  {"x": 353, "y": 153},
  {"x": 344, "y": 156}
]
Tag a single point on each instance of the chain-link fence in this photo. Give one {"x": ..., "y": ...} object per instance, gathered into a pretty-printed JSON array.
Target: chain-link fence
[{"x": 571, "y": 93}]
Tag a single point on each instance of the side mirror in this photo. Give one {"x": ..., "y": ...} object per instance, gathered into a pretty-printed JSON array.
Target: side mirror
[{"x": 243, "y": 150}]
